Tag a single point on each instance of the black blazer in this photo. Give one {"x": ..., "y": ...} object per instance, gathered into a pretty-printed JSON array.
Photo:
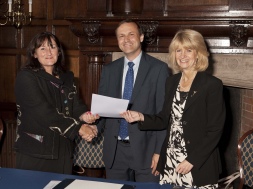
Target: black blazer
[
  {"x": 147, "y": 97},
  {"x": 203, "y": 121},
  {"x": 43, "y": 113}
]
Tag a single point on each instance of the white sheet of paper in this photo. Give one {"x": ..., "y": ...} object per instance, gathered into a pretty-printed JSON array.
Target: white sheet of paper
[
  {"x": 52, "y": 184},
  {"x": 84, "y": 184},
  {"x": 106, "y": 106}
]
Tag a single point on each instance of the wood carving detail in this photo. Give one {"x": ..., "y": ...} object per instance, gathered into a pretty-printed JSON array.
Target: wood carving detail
[
  {"x": 90, "y": 29},
  {"x": 149, "y": 29},
  {"x": 239, "y": 33}
]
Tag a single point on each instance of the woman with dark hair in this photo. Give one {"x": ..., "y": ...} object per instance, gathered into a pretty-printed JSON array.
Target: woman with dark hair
[
  {"x": 50, "y": 114},
  {"x": 193, "y": 114},
  {"x": 33, "y": 62}
]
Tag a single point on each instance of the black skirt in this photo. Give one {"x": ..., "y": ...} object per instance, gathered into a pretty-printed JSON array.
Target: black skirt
[{"x": 61, "y": 165}]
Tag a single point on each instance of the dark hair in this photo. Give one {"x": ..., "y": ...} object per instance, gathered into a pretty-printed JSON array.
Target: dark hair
[
  {"x": 33, "y": 63},
  {"x": 129, "y": 21}
]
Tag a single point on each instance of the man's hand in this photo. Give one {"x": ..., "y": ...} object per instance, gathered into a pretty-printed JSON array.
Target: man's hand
[
  {"x": 154, "y": 163},
  {"x": 184, "y": 167},
  {"x": 88, "y": 132}
]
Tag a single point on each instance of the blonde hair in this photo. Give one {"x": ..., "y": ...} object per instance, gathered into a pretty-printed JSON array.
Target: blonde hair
[{"x": 189, "y": 39}]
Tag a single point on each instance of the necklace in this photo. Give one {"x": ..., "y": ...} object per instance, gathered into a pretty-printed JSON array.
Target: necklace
[{"x": 186, "y": 85}]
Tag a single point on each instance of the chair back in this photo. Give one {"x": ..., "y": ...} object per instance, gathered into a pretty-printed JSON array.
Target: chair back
[
  {"x": 1, "y": 129},
  {"x": 245, "y": 157}
]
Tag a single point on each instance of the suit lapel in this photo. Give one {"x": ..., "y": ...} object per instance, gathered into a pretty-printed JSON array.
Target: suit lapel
[
  {"x": 118, "y": 76},
  {"x": 141, "y": 75},
  {"x": 171, "y": 89},
  {"x": 196, "y": 89}
]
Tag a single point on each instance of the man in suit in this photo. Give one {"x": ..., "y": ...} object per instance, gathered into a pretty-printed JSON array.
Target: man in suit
[{"x": 135, "y": 156}]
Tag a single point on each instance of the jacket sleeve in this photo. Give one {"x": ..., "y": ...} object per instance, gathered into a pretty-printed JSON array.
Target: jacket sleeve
[
  {"x": 158, "y": 121},
  {"x": 36, "y": 108}
]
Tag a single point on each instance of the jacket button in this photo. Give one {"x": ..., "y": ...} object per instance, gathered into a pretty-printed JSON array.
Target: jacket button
[
  {"x": 184, "y": 122},
  {"x": 188, "y": 142}
]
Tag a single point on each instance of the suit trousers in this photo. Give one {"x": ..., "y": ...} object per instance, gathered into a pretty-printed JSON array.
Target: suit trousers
[{"x": 122, "y": 169}]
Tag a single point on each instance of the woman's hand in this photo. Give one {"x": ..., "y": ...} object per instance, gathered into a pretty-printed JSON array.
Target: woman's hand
[
  {"x": 184, "y": 167},
  {"x": 154, "y": 163},
  {"x": 88, "y": 117},
  {"x": 88, "y": 132},
  {"x": 132, "y": 116}
]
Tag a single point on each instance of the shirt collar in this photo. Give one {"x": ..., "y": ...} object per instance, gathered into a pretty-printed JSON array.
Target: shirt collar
[{"x": 136, "y": 61}]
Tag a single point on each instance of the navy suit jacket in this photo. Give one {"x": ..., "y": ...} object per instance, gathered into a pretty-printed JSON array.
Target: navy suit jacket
[
  {"x": 203, "y": 121},
  {"x": 147, "y": 97}
]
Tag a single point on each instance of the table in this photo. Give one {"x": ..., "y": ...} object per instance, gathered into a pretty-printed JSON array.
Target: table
[{"x": 25, "y": 179}]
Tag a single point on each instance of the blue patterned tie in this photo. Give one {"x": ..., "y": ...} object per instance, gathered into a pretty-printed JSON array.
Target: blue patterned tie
[{"x": 129, "y": 81}]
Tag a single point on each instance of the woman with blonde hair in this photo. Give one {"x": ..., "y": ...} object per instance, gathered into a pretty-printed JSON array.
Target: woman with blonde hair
[{"x": 193, "y": 114}]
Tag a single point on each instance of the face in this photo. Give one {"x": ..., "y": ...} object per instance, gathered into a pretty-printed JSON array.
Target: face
[
  {"x": 129, "y": 40},
  {"x": 47, "y": 55},
  {"x": 186, "y": 58}
]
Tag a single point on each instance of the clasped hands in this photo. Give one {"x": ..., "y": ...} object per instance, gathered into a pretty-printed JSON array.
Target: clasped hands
[{"x": 88, "y": 131}]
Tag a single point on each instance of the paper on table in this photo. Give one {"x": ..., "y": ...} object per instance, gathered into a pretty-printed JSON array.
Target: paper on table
[
  {"x": 84, "y": 184},
  {"x": 106, "y": 106},
  {"x": 52, "y": 184}
]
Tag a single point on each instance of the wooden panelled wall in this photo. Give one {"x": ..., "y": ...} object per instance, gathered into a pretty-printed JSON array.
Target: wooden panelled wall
[
  {"x": 86, "y": 30},
  {"x": 70, "y": 20},
  {"x": 47, "y": 16}
]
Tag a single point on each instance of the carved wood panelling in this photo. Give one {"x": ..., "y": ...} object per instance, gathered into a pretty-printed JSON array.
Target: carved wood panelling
[
  {"x": 96, "y": 8},
  {"x": 127, "y": 7},
  {"x": 39, "y": 9},
  {"x": 68, "y": 40},
  {"x": 72, "y": 62},
  {"x": 90, "y": 75},
  {"x": 196, "y": 2},
  {"x": 91, "y": 29},
  {"x": 8, "y": 154},
  {"x": 150, "y": 31},
  {"x": 98, "y": 34},
  {"x": 5, "y": 41},
  {"x": 239, "y": 33},
  {"x": 28, "y": 33},
  {"x": 104, "y": 7},
  {"x": 70, "y": 8},
  {"x": 8, "y": 75}
]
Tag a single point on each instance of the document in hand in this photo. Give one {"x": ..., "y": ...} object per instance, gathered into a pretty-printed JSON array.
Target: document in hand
[{"x": 106, "y": 106}]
